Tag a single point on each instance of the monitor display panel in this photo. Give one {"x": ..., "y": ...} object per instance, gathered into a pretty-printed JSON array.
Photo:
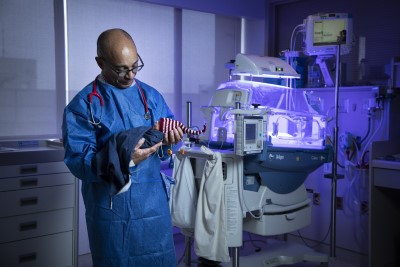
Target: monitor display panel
[
  {"x": 330, "y": 32},
  {"x": 324, "y": 32},
  {"x": 251, "y": 131}
]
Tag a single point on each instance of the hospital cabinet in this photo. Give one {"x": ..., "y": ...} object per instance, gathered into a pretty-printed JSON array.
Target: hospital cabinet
[
  {"x": 384, "y": 204},
  {"x": 37, "y": 208}
]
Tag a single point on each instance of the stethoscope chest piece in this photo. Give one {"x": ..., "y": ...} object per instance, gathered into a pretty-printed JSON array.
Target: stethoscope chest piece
[{"x": 147, "y": 116}]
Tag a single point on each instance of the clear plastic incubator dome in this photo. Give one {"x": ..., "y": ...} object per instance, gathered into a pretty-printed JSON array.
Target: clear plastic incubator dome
[{"x": 292, "y": 116}]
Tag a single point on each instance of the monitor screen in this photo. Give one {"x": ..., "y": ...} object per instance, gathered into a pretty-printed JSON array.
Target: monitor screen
[
  {"x": 251, "y": 129},
  {"x": 330, "y": 32},
  {"x": 324, "y": 32}
]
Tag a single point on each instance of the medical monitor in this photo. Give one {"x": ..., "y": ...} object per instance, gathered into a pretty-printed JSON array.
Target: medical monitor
[
  {"x": 249, "y": 134},
  {"x": 325, "y": 31}
]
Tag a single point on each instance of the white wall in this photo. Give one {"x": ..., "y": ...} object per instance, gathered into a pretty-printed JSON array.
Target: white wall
[
  {"x": 254, "y": 9},
  {"x": 351, "y": 224},
  {"x": 151, "y": 26}
]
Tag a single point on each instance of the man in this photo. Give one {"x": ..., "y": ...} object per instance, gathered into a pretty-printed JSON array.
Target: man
[{"x": 105, "y": 130}]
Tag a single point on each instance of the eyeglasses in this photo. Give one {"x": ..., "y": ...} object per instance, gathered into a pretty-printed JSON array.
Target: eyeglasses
[{"x": 123, "y": 73}]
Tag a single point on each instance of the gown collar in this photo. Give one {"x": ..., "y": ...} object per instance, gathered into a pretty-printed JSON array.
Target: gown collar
[{"x": 101, "y": 78}]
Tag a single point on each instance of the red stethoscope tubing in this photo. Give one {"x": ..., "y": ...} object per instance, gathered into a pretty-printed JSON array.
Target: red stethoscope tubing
[{"x": 96, "y": 94}]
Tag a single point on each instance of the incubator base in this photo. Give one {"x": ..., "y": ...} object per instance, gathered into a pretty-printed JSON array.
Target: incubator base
[
  {"x": 279, "y": 223},
  {"x": 278, "y": 253}
]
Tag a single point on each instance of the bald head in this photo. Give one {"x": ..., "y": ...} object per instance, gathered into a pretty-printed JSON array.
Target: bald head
[
  {"x": 116, "y": 52},
  {"x": 114, "y": 41}
]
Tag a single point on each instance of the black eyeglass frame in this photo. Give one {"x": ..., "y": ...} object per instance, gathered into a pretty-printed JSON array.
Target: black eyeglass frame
[{"x": 123, "y": 73}]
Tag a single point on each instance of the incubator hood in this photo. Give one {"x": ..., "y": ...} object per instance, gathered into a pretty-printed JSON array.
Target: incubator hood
[
  {"x": 292, "y": 116},
  {"x": 257, "y": 66}
]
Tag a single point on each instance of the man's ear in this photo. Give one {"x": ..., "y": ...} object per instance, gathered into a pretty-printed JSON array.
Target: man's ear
[{"x": 100, "y": 62}]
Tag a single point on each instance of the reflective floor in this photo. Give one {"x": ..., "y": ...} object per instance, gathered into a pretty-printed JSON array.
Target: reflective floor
[{"x": 259, "y": 251}]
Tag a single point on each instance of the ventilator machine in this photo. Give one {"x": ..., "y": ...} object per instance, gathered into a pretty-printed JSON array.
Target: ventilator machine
[{"x": 270, "y": 137}]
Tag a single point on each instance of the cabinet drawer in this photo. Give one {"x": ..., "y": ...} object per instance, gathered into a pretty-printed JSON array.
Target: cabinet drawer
[
  {"x": 36, "y": 200},
  {"x": 32, "y": 169},
  {"x": 37, "y": 224},
  {"x": 53, "y": 250},
  {"x": 386, "y": 178},
  {"x": 36, "y": 181}
]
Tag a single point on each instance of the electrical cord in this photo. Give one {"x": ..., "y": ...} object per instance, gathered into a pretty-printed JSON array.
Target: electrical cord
[
  {"x": 251, "y": 240},
  {"x": 368, "y": 130},
  {"x": 319, "y": 242}
]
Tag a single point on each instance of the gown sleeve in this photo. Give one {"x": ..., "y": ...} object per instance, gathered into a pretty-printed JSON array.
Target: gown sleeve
[{"x": 79, "y": 139}]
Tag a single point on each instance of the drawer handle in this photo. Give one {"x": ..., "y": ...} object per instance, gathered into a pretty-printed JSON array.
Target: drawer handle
[
  {"x": 27, "y": 257},
  {"x": 291, "y": 216},
  {"x": 28, "y": 201},
  {"x": 28, "y": 169},
  {"x": 29, "y": 182},
  {"x": 27, "y": 226}
]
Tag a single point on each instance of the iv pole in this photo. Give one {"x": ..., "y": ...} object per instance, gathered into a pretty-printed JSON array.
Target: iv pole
[{"x": 334, "y": 174}]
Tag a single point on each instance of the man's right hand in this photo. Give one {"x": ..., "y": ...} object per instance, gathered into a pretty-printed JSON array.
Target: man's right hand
[{"x": 141, "y": 154}]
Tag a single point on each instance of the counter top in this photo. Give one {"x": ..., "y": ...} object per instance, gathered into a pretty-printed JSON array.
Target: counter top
[
  {"x": 386, "y": 173},
  {"x": 16, "y": 153},
  {"x": 386, "y": 164}
]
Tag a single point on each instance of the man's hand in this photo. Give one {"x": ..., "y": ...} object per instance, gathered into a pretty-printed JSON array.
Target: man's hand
[
  {"x": 173, "y": 137},
  {"x": 141, "y": 154}
]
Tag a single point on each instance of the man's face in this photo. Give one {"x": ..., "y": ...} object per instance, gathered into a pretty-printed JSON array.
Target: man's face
[{"x": 120, "y": 66}]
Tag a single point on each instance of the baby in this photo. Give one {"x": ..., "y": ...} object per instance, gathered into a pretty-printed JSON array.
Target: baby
[{"x": 166, "y": 124}]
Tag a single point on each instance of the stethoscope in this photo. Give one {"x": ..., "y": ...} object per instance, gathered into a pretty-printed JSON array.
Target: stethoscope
[{"x": 94, "y": 92}]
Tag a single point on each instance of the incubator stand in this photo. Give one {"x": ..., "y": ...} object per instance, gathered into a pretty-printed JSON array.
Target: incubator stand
[{"x": 270, "y": 183}]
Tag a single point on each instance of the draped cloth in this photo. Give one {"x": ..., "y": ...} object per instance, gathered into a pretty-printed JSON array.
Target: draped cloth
[
  {"x": 183, "y": 200},
  {"x": 210, "y": 232}
]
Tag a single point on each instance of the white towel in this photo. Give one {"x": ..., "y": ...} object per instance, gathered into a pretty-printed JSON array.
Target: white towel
[
  {"x": 210, "y": 227},
  {"x": 183, "y": 199}
]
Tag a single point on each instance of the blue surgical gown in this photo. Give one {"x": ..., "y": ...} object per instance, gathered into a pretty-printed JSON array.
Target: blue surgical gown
[{"x": 131, "y": 228}]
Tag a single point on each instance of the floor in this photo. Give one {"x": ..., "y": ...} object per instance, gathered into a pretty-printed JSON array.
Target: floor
[{"x": 256, "y": 250}]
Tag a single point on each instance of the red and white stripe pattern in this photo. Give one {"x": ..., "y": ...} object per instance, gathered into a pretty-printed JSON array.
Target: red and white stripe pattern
[{"x": 166, "y": 124}]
